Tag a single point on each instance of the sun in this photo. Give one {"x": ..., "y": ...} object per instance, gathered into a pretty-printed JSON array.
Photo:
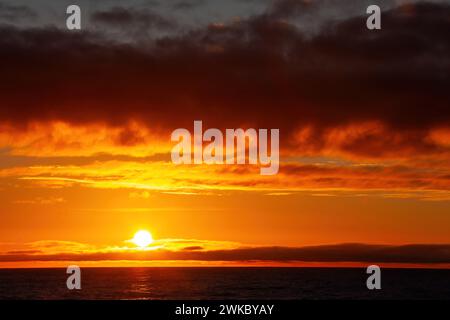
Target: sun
[{"x": 142, "y": 238}]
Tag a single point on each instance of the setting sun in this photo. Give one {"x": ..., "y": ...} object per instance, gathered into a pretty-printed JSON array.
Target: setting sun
[{"x": 142, "y": 238}]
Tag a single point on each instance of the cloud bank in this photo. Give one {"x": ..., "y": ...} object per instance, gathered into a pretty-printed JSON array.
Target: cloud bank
[{"x": 413, "y": 253}]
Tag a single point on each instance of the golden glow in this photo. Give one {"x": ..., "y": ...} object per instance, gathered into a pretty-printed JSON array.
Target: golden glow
[
  {"x": 81, "y": 190},
  {"x": 142, "y": 239}
]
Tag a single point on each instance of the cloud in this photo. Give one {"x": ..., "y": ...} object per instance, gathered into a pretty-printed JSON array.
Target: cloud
[
  {"x": 52, "y": 247},
  {"x": 324, "y": 9},
  {"x": 42, "y": 201},
  {"x": 59, "y": 139},
  {"x": 343, "y": 92},
  {"x": 413, "y": 253},
  {"x": 193, "y": 248},
  {"x": 144, "y": 176},
  {"x": 266, "y": 72},
  {"x": 187, "y": 4},
  {"x": 13, "y": 13},
  {"x": 142, "y": 19}
]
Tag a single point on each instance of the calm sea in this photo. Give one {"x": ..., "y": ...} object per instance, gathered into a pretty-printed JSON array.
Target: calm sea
[{"x": 224, "y": 283}]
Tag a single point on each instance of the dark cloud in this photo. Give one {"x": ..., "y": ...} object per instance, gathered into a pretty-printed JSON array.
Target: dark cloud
[
  {"x": 187, "y": 4},
  {"x": 12, "y": 13},
  {"x": 289, "y": 8},
  {"x": 259, "y": 72},
  {"x": 193, "y": 248},
  {"x": 142, "y": 20},
  {"x": 327, "y": 9},
  {"x": 414, "y": 253}
]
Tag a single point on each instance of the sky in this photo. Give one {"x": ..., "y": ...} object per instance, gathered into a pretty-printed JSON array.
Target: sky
[{"x": 86, "y": 118}]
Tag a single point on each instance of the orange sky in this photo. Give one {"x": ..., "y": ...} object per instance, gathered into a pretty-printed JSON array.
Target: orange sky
[
  {"x": 86, "y": 119},
  {"x": 83, "y": 193}
]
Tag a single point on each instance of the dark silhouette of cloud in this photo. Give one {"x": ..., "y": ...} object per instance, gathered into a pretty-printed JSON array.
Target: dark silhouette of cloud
[
  {"x": 413, "y": 253},
  {"x": 259, "y": 72}
]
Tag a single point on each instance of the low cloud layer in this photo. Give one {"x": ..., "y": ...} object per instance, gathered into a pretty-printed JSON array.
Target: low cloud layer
[{"x": 414, "y": 253}]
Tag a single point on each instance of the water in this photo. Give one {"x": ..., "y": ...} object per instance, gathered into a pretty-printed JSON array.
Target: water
[{"x": 224, "y": 283}]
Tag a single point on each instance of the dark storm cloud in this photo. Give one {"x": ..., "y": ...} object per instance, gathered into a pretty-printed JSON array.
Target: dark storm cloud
[
  {"x": 187, "y": 4},
  {"x": 289, "y": 8},
  {"x": 259, "y": 72},
  {"x": 12, "y": 13},
  {"x": 143, "y": 19},
  {"x": 414, "y": 253}
]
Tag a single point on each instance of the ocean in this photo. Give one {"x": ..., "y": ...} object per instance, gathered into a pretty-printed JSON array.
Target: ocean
[{"x": 223, "y": 283}]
